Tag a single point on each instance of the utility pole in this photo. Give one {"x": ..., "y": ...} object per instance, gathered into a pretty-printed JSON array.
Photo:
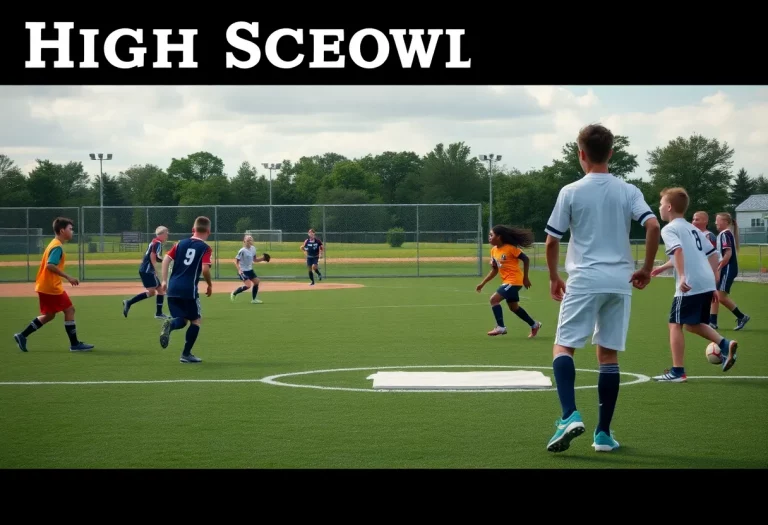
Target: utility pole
[{"x": 101, "y": 193}]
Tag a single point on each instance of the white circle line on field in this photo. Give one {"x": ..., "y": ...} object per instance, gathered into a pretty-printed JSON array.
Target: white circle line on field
[{"x": 271, "y": 380}]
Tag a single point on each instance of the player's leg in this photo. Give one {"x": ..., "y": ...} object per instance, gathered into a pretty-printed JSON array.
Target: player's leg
[
  {"x": 177, "y": 321},
  {"x": 498, "y": 312},
  {"x": 310, "y": 263},
  {"x": 47, "y": 315},
  {"x": 149, "y": 281},
  {"x": 679, "y": 314},
  {"x": 159, "y": 302},
  {"x": 700, "y": 327},
  {"x": 513, "y": 301},
  {"x": 611, "y": 328},
  {"x": 316, "y": 268},
  {"x": 75, "y": 345},
  {"x": 194, "y": 315},
  {"x": 240, "y": 289},
  {"x": 575, "y": 324},
  {"x": 255, "y": 289},
  {"x": 723, "y": 297}
]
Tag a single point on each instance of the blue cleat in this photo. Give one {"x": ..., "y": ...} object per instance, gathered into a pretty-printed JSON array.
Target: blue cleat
[
  {"x": 189, "y": 358},
  {"x": 165, "y": 333},
  {"x": 567, "y": 430},
  {"x": 742, "y": 322},
  {"x": 730, "y": 359},
  {"x": 21, "y": 340},
  {"x": 602, "y": 442},
  {"x": 81, "y": 347}
]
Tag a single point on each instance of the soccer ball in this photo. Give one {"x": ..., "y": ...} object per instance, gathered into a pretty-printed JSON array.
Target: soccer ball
[{"x": 713, "y": 354}]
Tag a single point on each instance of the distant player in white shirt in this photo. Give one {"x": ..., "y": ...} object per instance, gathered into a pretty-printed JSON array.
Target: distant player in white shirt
[
  {"x": 598, "y": 209},
  {"x": 244, "y": 263},
  {"x": 695, "y": 262}
]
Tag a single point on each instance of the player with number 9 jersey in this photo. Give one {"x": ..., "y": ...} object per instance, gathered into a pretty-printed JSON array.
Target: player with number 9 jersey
[{"x": 189, "y": 256}]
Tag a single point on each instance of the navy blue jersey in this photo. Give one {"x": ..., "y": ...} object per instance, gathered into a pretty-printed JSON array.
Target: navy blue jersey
[
  {"x": 156, "y": 245},
  {"x": 312, "y": 247},
  {"x": 726, "y": 241},
  {"x": 711, "y": 237},
  {"x": 189, "y": 256}
]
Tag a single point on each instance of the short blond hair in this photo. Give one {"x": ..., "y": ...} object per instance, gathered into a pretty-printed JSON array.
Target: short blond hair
[
  {"x": 677, "y": 197},
  {"x": 161, "y": 230}
]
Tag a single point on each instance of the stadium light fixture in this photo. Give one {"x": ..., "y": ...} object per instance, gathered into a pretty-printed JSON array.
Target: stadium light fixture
[
  {"x": 101, "y": 193},
  {"x": 490, "y": 160}
]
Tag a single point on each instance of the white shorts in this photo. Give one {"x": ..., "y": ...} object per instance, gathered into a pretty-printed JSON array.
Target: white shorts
[{"x": 605, "y": 316}]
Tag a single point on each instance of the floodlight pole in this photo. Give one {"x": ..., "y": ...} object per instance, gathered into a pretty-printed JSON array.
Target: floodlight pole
[
  {"x": 490, "y": 160},
  {"x": 270, "y": 167},
  {"x": 101, "y": 194}
]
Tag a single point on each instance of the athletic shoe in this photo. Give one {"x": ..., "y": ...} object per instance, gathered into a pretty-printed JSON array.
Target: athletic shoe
[
  {"x": 567, "y": 430},
  {"x": 602, "y": 442}
]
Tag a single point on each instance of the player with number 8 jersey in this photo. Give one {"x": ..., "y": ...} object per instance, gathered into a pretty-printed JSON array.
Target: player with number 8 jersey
[{"x": 191, "y": 257}]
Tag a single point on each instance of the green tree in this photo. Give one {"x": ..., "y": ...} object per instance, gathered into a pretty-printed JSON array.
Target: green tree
[{"x": 741, "y": 188}]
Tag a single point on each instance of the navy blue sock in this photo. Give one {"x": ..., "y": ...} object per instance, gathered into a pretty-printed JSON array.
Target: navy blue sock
[
  {"x": 137, "y": 298},
  {"x": 71, "y": 329},
  {"x": 737, "y": 312},
  {"x": 565, "y": 378},
  {"x": 522, "y": 314},
  {"x": 713, "y": 319},
  {"x": 241, "y": 290},
  {"x": 607, "y": 392},
  {"x": 498, "y": 314},
  {"x": 192, "y": 332},
  {"x": 254, "y": 291},
  {"x": 724, "y": 346},
  {"x": 318, "y": 271},
  {"x": 311, "y": 276},
  {"x": 177, "y": 323},
  {"x": 160, "y": 299}
]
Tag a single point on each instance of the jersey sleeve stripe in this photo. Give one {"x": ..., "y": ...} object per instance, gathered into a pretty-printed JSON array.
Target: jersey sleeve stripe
[
  {"x": 710, "y": 252},
  {"x": 553, "y": 232},
  {"x": 645, "y": 216},
  {"x": 671, "y": 249}
]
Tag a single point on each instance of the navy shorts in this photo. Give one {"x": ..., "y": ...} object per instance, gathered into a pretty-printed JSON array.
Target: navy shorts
[
  {"x": 727, "y": 276},
  {"x": 311, "y": 261},
  {"x": 188, "y": 309},
  {"x": 149, "y": 280},
  {"x": 691, "y": 309},
  {"x": 509, "y": 292},
  {"x": 248, "y": 274}
]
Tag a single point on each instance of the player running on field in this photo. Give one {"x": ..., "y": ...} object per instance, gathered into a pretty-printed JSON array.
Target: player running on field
[
  {"x": 244, "y": 264},
  {"x": 313, "y": 247},
  {"x": 191, "y": 257},
  {"x": 505, "y": 259},
  {"x": 148, "y": 274},
  {"x": 695, "y": 263},
  {"x": 598, "y": 210},
  {"x": 50, "y": 290},
  {"x": 727, "y": 245}
]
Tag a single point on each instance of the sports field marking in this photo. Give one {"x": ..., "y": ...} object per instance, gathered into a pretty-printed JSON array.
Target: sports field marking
[{"x": 271, "y": 379}]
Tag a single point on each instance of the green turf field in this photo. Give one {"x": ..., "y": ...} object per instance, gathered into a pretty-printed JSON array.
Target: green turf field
[{"x": 228, "y": 419}]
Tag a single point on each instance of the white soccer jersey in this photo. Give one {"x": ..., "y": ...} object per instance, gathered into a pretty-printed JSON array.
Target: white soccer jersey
[
  {"x": 681, "y": 234},
  {"x": 246, "y": 256},
  {"x": 598, "y": 209}
]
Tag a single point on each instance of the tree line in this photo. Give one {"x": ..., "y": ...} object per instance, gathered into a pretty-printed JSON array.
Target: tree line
[{"x": 449, "y": 174}]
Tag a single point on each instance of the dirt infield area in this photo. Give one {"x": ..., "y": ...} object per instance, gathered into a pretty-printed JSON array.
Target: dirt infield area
[
  {"x": 275, "y": 260},
  {"x": 132, "y": 288}
]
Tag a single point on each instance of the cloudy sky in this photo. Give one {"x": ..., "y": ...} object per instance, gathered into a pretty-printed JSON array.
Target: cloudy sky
[{"x": 527, "y": 125}]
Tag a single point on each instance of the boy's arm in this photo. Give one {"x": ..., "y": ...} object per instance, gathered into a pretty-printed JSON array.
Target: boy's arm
[
  {"x": 53, "y": 260},
  {"x": 679, "y": 262},
  {"x": 207, "y": 270},
  {"x": 558, "y": 223},
  {"x": 642, "y": 213},
  {"x": 663, "y": 268},
  {"x": 170, "y": 256}
]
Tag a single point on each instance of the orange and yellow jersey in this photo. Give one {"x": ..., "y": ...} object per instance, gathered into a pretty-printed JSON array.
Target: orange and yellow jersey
[
  {"x": 47, "y": 281},
  {"x": 505, "y": 258}
]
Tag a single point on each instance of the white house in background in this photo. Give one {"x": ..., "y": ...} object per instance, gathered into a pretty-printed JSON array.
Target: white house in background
[{"x": 753, "y": 212}]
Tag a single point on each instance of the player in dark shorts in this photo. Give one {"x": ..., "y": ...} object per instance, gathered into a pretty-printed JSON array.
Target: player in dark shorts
[{"x": 313, "y": 247}]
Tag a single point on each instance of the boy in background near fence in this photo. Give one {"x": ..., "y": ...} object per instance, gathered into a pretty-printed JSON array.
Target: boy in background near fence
[
  {"x": 50, "y": 290},
  {"x": 313, "y": 247},
  {"x": 148, "y": 274}
]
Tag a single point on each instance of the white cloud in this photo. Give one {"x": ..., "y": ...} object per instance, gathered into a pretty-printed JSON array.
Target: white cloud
[{"x": 528, "y": 125}]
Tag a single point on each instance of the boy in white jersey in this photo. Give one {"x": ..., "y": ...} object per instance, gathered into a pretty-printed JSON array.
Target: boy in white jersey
[
  {"x": 244, "y": 263},
  {"x": 598, "y": 209},
  {"x": 695, "y": 262}
]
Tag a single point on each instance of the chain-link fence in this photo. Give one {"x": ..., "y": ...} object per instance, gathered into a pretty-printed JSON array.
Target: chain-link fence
[
  {"x": 24, "y": 235},
  {"x": 359, "y": 240}
]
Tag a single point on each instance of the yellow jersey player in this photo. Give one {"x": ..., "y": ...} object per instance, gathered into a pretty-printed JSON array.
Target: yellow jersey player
[
  {"x": 505, "y": 259},
  {"x": 50, "y": 290}
]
